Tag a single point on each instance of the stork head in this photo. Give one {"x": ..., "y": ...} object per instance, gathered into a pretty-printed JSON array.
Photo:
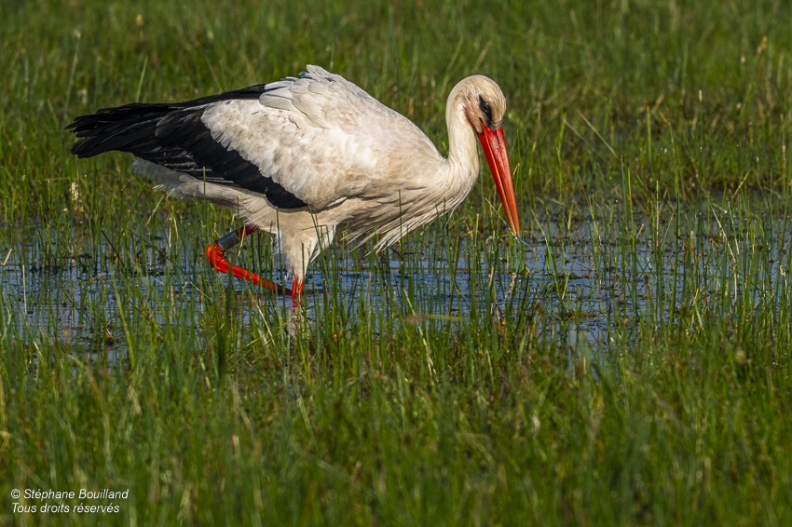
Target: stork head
[{"x": 485, "y": 108}]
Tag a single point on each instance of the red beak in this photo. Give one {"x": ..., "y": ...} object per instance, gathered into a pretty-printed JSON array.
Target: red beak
[{"x": 495, "y": 149}]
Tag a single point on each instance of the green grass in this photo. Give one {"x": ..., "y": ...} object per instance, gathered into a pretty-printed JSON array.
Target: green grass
[{"x": 631, "y": 368}]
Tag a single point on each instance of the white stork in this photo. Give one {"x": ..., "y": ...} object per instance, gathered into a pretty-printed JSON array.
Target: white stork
[{"x": 304, "y": 157}]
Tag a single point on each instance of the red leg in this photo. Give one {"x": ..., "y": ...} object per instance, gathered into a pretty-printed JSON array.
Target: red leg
[
  {"x": 297, "y": 288},
  {"x": 215, "y": 252},
  {"x": 297, "y": 292}
]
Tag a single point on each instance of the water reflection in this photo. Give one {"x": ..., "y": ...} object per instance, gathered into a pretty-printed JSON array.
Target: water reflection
[{"x": 584, "y": 278}]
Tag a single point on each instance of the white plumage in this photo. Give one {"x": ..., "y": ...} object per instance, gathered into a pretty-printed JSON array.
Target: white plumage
[{"x": 304, "y": 157}]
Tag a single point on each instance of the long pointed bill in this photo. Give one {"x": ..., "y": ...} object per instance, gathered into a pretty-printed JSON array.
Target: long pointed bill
[{"x": 495, "y": 149}]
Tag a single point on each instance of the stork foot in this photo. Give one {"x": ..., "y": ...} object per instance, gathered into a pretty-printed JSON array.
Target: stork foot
[{"x": 215, "y": 253}]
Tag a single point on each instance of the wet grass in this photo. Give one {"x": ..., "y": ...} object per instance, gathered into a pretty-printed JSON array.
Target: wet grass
[{"x": 631, "y": 368}]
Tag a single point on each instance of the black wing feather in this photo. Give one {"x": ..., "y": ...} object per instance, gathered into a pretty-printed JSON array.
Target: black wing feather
[{"x": 175, "y": 137}]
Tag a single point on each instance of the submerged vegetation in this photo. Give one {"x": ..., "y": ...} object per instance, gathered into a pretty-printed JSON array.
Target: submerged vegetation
[{"x": 631, "y": 367}]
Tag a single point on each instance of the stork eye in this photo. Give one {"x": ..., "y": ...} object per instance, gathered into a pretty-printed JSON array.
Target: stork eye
[{"x": 485, "y": 108}]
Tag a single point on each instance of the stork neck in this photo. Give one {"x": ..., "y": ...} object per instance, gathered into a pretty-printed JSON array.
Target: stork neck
[{"x": 463, "y": 155}]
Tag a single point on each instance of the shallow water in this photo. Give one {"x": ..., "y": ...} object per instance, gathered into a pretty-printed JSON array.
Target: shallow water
[{"x": 584, "y": 278}]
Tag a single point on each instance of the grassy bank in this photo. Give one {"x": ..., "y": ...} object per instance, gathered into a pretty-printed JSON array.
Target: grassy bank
[{"x": 631, "y": 367}]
